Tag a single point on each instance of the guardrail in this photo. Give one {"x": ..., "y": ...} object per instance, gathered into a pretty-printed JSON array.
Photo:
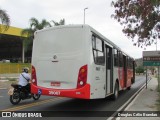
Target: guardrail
[{"x": 6, "y": 68}]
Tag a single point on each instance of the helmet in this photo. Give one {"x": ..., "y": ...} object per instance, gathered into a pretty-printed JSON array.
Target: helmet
[{"x": 25, "y": 69}]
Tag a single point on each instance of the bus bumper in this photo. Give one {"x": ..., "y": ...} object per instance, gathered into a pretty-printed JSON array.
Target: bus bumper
[{"x": 82, "y": 93}]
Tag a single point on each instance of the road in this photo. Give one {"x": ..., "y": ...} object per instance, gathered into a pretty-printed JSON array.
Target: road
[{"x": 71, "y": 107}]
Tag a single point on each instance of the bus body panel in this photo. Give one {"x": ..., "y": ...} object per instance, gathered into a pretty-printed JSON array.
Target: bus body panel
[
  {"x": 116, "y": 76},
  {"x": 97, "y": 81},
  {"x": 82, "y": 93},
  {"x": 56, "y": 60},
  {"x": 129, "y": 77},
  {"x": 58, "y": 55},
  {"x": 121, "y": 77}
]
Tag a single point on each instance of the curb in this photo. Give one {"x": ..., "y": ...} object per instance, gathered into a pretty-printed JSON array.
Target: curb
[
  {"x": 125, "y": 106},
  {"x": 3, "y": 88},
  {"x": 4, "y": 80},
  {"x": 8, "y": 77}
]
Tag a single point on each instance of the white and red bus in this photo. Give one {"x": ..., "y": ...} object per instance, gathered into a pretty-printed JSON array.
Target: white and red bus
[{"x": 76, "y": 61}]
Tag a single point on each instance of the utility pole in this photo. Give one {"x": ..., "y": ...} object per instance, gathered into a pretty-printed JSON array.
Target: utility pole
[
  {"x": 84, "y": 13},
  {"x": 146, "y": 77},
  {"x": 158, "y": 79}
]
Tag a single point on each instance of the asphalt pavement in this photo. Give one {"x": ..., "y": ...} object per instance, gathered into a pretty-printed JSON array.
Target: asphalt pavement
[{"x": 68, "y": 104}]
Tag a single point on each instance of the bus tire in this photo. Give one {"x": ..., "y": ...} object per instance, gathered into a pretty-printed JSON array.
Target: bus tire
[
  {"x": 132, "y": 80},
  {"x": 116, "y": 91},
  {"x": 128, "y": 88}
]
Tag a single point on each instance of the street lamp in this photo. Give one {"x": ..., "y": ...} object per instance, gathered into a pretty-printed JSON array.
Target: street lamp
[{"x": 84, "y": 13}]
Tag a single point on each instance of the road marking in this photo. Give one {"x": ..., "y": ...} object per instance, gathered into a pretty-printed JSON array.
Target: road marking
[{"x": 31, "y": 104}]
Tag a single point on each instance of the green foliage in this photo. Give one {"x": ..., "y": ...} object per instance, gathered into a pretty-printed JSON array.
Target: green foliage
[
  {"x": 61, "y": 22},
  {"x": 13, "y": 67},
  {"x": 140, "y": 19},
  {"x": 140, "y": 69},
  {"x": 34, "y": 25},
  {"x": 4, "y": 19}
]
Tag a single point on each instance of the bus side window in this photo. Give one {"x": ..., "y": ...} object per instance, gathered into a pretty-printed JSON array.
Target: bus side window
[
  {"x": 131, "y": 63},
  {"x": 99, "y": 44},
  {"x": 120, "y": 59},
  {"x": 93, "y": 42},
  {"x": 98, "y": 50},
  {"x": 128, "y": 63},
  {"x": 115, "y": 57},
  {"x": 109, "y": 58}
]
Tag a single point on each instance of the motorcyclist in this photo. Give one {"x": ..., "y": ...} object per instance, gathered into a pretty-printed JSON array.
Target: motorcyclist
[
  {"x": 24, "y": 79},
  {"x": 21, "y": 91}
]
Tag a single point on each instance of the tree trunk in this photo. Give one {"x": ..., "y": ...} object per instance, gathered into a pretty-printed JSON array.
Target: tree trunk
[{"x": 23, "y": 52}]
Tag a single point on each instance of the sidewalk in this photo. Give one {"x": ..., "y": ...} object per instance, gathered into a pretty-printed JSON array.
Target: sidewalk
[
  {"x": 4, "y": 76},
  {"x": 7, "y": 79},
  {"x": 145, "y": 101}
]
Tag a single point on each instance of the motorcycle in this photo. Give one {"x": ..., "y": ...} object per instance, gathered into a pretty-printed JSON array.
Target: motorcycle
[{"x": 18, "y": 93}]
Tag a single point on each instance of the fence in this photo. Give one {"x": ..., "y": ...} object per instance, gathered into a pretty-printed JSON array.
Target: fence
[{"x": 6, "y": 68}]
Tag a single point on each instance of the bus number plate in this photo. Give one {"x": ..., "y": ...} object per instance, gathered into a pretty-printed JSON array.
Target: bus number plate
[{"x": 55, "y": 84}]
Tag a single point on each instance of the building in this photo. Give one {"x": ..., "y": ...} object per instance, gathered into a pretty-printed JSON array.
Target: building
[{"x": 11, "y": 45}]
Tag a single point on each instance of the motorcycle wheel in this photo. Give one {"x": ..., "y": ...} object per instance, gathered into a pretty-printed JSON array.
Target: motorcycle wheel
[
  {"x": 36, "y": 96},
  {"x": 15, "y": 98}
]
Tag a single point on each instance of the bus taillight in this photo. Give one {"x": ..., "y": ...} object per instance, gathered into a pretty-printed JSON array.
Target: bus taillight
[
  {"x": 82, "y": 76},
  {"x": 34, "y": 77}
]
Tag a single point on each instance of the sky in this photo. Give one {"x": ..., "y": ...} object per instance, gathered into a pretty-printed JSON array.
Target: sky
[{"x": 98, "y": 15}]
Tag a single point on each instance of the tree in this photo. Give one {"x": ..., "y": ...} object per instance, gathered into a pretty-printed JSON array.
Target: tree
[
  {"x": 27, "y": 42},
  {"x": 34, "y": 26},
  {"x": 140, "y": 69},
  {"x": 140, "y": 18},
  {"x": 4, "y": 19},
  {"x": 61, "y": 22}
]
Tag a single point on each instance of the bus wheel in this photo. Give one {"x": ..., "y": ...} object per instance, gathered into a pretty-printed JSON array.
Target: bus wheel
[
  {"x": 128, "y": 88},
  {"x": 132, "y": 80},
  {"x": 116, "y": 91}
]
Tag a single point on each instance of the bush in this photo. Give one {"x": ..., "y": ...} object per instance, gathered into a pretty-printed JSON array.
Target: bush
[
  {"x": 140, "y": 69},
  {"x": 13, "y": 67}
]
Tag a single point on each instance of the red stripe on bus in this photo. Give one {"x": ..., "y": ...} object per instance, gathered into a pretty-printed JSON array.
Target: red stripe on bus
[{"x": 83, "y": 93}]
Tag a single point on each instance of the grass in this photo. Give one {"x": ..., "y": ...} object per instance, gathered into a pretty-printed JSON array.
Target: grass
[{"x": 10, "y": 68}]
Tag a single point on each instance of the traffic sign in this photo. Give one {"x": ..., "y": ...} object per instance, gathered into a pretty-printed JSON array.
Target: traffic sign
[
  {"x": 151, "y": 58},
  {"x": 151, "y": 63}
]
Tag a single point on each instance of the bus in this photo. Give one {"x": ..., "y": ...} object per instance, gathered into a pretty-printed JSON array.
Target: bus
[{"x": 76, "y": 61}]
